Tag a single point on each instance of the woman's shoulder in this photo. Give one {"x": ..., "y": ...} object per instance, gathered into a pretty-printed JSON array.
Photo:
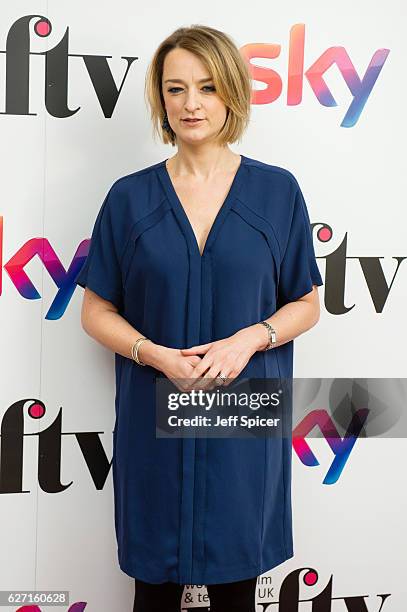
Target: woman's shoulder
[
  {"x": 134, "y": 195},
  {"x": 268, "y": 171},
  {"x": 136, "y": 176}
]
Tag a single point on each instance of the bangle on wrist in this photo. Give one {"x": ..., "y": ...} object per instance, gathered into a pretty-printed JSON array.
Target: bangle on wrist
[{"x": 135, "y": 350}]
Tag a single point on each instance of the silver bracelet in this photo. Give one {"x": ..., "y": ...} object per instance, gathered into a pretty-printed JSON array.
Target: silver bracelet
[{"x": 272, "y": 335}]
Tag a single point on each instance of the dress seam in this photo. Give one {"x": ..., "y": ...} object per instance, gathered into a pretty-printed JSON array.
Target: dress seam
[
  {"x": 265, "y": 220},
  {"x": 284, "y": 534},
  {"x": 213, "y": 286},
  {"x": 270, "y": 168},
  {"x": 265, "y": 474},
  {"x": 133, "y": 226}
]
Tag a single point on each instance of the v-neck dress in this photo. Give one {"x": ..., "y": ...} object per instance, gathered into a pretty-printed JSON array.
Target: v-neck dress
[{"x": 199, "y": 510}]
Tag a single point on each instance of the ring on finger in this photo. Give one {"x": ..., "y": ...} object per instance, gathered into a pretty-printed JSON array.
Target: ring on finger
[{"x": 222, "y": 379}]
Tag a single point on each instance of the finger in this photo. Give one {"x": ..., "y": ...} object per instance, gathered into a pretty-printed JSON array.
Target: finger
[
  {"x": 196, "y": 384},
  {"x": 229, "y": 379},
  {"x": 201, "y": 367},
  {"x": 207, "y": 382},
  {"x": 199, "y": 377},
  {"x": 199, "y": 348},
  {"x": 194, "y": 360},
  {"x": 214, "y": 373}
]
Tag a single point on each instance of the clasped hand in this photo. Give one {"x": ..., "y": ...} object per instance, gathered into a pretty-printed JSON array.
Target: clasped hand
[{"x": 227, "y": 357}]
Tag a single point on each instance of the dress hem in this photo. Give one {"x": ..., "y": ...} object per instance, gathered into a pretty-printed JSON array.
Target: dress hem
[{"x": 232, "y": 574}]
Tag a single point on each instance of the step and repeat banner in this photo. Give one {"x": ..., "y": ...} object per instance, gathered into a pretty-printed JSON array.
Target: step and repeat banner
[{"x": 328, "y": 105}]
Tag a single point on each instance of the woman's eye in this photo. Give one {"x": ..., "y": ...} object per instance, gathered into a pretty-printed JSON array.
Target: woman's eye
[{"x": 210, "y": 87}]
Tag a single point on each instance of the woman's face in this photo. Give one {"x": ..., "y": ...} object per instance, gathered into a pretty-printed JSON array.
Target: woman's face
[{"x": 189, "y": 92}]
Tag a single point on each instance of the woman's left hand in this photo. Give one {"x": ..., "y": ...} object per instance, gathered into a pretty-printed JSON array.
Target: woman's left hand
[{"x": 227, "y": 357}]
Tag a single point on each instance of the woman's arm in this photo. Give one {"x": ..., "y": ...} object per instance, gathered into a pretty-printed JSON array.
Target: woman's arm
[
  {"x": 100, "y": 320},
  {"x": 289, "y": 321}
]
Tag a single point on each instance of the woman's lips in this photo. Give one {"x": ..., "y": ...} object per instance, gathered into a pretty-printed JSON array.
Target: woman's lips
[{"x": 192, "y": 123}]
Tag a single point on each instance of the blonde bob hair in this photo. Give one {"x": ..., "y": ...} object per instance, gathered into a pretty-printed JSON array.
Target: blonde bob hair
[{"x": 226, "y": 67}]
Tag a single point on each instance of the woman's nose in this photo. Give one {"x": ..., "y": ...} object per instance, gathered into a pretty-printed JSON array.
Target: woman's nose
[{"x": 192, "y": 101}]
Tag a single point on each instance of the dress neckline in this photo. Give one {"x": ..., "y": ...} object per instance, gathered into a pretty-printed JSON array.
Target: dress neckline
[{"x": 182, "y": 215}]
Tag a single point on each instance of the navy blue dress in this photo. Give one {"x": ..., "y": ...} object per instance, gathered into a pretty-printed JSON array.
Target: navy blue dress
[{"x": 199, "y": 510}]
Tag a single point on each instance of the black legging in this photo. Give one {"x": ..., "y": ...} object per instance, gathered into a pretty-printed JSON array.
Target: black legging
[{"x": 166, "y": 597}]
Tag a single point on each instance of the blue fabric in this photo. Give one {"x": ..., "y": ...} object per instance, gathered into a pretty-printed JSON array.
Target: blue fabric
[{"x": 199, "y": 510}]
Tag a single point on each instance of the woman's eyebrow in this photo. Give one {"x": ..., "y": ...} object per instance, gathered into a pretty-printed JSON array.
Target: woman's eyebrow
[{"x": 181, "y": 81}]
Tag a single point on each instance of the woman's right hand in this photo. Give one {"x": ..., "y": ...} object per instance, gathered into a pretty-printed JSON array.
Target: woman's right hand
[{"x": 177, "y": 367}]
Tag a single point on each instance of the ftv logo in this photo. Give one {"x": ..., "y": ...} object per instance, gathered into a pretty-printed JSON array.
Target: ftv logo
[
  {"x": 18, "y": 55},
  {"x": 56, "y": 73},
  {"x": 336, "y": 271},
  {"x": 288, "y": 598},
  {"x": 12, "y": 434}
]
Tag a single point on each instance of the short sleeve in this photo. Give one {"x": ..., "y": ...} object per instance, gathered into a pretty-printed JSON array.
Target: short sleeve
[
  {"x": 101, "y": 270},
  {"x": 298, "y": 270}
]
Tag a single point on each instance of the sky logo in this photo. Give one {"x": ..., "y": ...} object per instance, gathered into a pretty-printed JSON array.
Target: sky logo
[
  {"x": 360, "y": 88},
  {"x": 341, "y": 447}
]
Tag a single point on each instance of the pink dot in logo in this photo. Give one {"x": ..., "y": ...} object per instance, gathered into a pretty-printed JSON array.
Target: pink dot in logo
[
  {"x": 310, "y": 578},
  {"x": 324, "y": 234},
  {"x": 43, "y": 27},
  {"x": 36, "y": 410}
]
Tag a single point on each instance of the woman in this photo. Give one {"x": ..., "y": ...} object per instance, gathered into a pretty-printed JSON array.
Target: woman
[{"x": 188, "y": 258}]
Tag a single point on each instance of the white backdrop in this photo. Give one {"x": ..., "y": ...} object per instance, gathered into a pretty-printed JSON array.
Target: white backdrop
[{"x": 56, "y": 527}]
